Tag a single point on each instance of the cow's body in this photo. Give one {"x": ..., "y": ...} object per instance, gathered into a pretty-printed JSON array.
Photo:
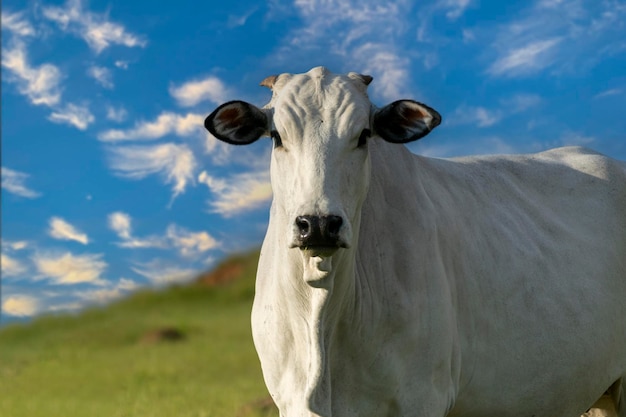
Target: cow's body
[{"x": 473, "y": 287}]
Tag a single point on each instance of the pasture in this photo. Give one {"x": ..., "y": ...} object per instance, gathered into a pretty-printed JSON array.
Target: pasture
[{"x": 108, "y": 362}]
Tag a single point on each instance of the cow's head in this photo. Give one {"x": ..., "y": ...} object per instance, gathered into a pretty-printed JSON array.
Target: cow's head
[{"x": 321, "y": 124}]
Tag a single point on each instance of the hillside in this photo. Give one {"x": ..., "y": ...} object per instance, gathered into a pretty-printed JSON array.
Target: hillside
[{"x": 183, "y": 351}]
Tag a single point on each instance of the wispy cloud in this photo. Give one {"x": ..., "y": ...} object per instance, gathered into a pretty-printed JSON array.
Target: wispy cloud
[
  {"x": 60, "y": 229},
  {"x": 102, "y": 75},
  {"x": 364, "y": 33},
  {"x": 161, "y": 273},
  {"x": 240, "y": 20},
  {"x": 71, "y": 269},
  {"x": 78, "y": 116},
  {"x": 116, "y": 114},
  {"x": 239, "y": 193},
  {"x": 526, "y": 59},
  {"x": 563, "y": 36},
  {"x": 17, "y": 24},
  {"x": 17, "y": 245},
  {"x": 10, "y": 266},
  {"x": 455, "y": 8},
  {"x": 120, "y": 223},
  {"x": 167, "y": 123},
  {"x": 475, "y": 115},
  {"x": 20, "y": 306},
  {"x": 93, "y": 28},
  {"x": 112, "y": 292},
  {"x": 521, "y": 102},
  {"x": 609, "y": 92},
  {"x": 40, "y": 84},
  {"x": 193, "y": 92},
  {"x": 189, "y": 243},
  {"x": 175, "y": 163},
  {"x": 14, "y": 182}
]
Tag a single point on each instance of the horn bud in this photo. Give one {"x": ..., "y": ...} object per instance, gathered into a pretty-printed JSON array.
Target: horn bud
[{"x": 269, "y": 81}]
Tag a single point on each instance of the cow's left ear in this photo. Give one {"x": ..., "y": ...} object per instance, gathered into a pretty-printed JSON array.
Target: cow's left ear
[
  {"x": 405, "y": 121},
  {"x": 237, "y": 123}
]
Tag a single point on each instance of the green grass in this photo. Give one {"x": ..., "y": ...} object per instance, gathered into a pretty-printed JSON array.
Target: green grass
[{"x": 96, "y": 364}]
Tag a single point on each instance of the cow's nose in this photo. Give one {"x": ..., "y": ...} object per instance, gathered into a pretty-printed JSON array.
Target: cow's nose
[{"x": 318, "y": 231}]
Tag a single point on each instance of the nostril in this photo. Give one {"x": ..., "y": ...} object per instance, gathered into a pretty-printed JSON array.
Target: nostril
[
  {"x": 334, "y": 225},
  {"x": 304, "y": 225}
]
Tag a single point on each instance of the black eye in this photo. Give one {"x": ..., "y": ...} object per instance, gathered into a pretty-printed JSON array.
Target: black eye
[
  {"x": 363, "y": 138},
  {"x": 277, "y": 140}
]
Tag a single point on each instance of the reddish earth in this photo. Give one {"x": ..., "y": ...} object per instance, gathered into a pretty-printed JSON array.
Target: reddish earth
[
  {"x": 223, "y": 275},
  {"x": 262, "y": 407}
]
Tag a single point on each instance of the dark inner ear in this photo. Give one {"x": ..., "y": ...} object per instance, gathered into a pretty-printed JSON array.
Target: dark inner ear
[
  {"x": 237, "y": 123},
  {"x": 405, "y": 121}
]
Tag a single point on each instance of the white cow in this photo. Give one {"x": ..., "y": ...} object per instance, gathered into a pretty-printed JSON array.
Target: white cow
[{"x": 391, "y": 284}]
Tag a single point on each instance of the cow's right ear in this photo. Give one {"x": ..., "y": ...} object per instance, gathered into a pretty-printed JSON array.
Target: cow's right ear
[{"x": 237, "y": 123}]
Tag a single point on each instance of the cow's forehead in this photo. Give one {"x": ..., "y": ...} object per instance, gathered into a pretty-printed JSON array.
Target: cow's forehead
[{"x": 319, "y": 93}]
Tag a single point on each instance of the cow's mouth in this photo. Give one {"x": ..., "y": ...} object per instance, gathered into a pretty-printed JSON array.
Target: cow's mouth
[
  {"x": 317, "y": 269},
  {"x": 319, "y": 251}
]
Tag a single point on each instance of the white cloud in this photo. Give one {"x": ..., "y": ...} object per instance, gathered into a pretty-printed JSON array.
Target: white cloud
[
  {"x": 14, "y": 182},
  {"x": 166, "y": 123},
  {"x": 190, "y": 243},
  {"x": 11, "y": 267},
  {"x": 240, "y": 20},
  {"x": 60, "y": 229},
  {"x": 78, "y": 116},
  {"x": 17, "y": 24},
  {"x": 366, "y": 34},
  {"x": 71, "y": 269},
  {"x": 565, "y": 36},
  {"x": 94, "y": 28},
  {"x": 160, "y": 273},
  {"x": 120, "y": 223},
  {"x": 105, "y": 295},
  {"x": 526, "y": 59},
  {"x": 19, "y": 245},
  {"x": 102, "y": 75},
  {"x": 392, "y": 69},
  {"x": 239, "y": 193},
  {"x": 20, "y": 306},
  {"x": 116, "y": 114},
  {"x": 475, "y": 115},
  {"x": 39, "y": 84},
  {"x": 609, "y": 92},
  {"x": 455, "y": 8},
  {"x": 521, "y": 102},
  {"x": 175, "y": 163},
  {"x": 193, "y": 92},
  {"x": 121, "y": 64}
]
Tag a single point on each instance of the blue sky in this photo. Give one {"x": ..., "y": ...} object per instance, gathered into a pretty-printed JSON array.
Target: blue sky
[{"x": 110, "y": 183}]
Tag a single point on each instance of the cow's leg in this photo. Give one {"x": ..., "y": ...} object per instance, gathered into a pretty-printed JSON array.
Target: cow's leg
[
  {"x": 618, "y": 394},
  {"x": 611, "y": 404}
]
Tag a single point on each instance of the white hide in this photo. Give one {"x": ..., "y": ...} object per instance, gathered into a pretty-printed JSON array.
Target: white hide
[{"x": 472, "y": 287}]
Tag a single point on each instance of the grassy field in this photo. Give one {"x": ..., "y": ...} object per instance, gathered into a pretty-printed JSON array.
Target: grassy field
[{"x": 111, "y": 361}]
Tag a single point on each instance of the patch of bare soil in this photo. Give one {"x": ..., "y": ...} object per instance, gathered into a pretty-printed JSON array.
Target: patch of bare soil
[
  {"x": 223, "y": 275},
  {"x": 262, "y": 407},
  {"x": 162, "y": 334}
]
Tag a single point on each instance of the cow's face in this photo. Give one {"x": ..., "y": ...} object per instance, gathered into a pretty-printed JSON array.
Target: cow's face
[{"x": 321, "y": 124}]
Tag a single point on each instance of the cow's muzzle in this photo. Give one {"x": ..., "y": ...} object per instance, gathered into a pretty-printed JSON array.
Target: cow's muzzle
[{"x": 319, "y": 232}]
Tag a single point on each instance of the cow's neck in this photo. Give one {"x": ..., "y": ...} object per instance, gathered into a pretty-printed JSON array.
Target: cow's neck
[{"x": 323, "y": 293}]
